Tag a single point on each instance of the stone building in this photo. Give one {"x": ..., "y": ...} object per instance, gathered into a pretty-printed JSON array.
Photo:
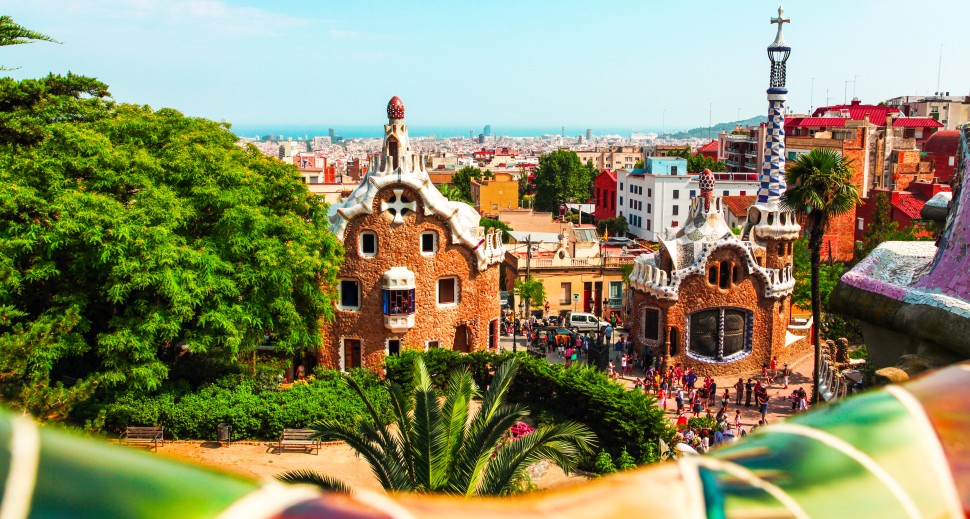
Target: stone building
[
  {"x": 418, "y": 273},
  {"x": 714, "y": 301}
]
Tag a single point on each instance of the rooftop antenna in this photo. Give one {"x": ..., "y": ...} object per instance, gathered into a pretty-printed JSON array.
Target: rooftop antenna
[
  {"x": 939, "y": 69},
  {"x": 855, "y": 79},
  {"x": 811, "y": 102}
]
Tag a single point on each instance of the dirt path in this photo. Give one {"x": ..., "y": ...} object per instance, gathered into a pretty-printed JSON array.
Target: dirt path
[{"x": 337, "y": 460}]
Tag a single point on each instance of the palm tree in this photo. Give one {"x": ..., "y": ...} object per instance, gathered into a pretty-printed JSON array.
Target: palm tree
[
  {"x": 440, "y": 445},
  {"x": 819, "y": 186}
]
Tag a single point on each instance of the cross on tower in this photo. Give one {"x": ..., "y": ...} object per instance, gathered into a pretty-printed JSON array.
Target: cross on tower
[
  {"x": 780, "y": 20},
  {"x": 397, "y": 206}
]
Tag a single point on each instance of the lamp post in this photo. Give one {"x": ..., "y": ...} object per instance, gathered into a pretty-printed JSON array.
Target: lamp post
[{"x": 521, "y": 327}]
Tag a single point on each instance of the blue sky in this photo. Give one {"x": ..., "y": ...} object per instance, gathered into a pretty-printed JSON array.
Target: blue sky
[{"x": 508, "y": 63}]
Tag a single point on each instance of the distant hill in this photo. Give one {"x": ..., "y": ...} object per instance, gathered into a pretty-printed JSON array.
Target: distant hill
[{"x": 701, "y": 133}]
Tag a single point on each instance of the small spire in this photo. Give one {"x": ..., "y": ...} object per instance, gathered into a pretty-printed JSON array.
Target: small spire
[
  {"x": 395, "y": 108},
  {"x": 706, "y": 182}
]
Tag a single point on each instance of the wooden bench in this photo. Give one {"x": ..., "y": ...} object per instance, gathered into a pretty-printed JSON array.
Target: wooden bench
[
  {"x": 298, "y": 438},
  {"x": 143, "y": 436}
]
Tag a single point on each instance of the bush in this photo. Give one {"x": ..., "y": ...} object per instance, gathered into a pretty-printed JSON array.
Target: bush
[
  {"x": 625, "y": 462},
  {"x": 254, "y": 413},
  {"x": 604, "y": 463},
  {"x": 621, "y": 419},
  {"x": 859, "y": 353}
]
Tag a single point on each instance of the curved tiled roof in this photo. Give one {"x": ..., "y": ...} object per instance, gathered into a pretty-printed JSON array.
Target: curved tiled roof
[{"x": 944, "y": 142}]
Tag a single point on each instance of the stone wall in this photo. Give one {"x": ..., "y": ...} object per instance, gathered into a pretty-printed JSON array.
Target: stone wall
[
  {"x": 399, "y": 245},
  {"x": 771, "y": 317}
]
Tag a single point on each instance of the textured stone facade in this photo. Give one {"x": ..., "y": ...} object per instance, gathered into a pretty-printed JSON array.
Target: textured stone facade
[
  {"x": 406, "y": 246},
  {"x": 400, "y": 245},
  {"x": 770, "y": 318}
]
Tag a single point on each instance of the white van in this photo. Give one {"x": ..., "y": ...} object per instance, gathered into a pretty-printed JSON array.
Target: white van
[{"x": 586, "y": 323}]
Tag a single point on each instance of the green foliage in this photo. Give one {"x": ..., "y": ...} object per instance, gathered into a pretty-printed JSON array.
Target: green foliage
[
  {"x": 829, "y": 275},
  {"x": 561, "y": 177},
  {"x": 624, "y": 461},
  {"x": 616, "y": 226},
  {"x": 13, "y": 34},
  {"x": 882, "y": 228},
  {"x": 492, "y": 223},
  {"x": 702, "y": 422},
  {"x": 698, "y": 163},
  {"x": 621, "y": 419},
  {"x": 859, "y": 353},
  {"x": 587, "y": 218},
  {"x": 134, "y": 239},
  {"x": 604, "y": 463},
  {"x": 439, "y": 444},
  {"x": 533, "y": 290},
  {"x": 254, "y": 413},
  {"x": 651, "y": 454},
  {"x": 461, "y": 184},
  {"x": 639, "y": 164}
]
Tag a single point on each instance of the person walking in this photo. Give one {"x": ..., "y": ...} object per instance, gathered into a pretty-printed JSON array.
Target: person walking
[
  {"x": 763, "y": 404},
  {"x": 786, "y": 373}
]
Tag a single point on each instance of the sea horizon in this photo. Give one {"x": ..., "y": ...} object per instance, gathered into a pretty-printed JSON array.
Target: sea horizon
[{"x": 297, "y": 131}]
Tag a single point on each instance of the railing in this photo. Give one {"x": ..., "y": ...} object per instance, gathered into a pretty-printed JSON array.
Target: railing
[
  {"x": 614, "y": 302},
  {"x": 609, "y": 262}
]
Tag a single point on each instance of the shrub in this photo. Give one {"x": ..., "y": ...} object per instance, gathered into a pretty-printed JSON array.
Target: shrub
[
  {"x": 254, "y": 413},
  {"x": 604, "y": 463},
  {"x": 621, "y": 419},
  {"x": 625, "y": 462}
]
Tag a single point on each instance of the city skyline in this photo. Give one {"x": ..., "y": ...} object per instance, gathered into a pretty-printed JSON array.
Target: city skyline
[{"x": 621, "y": 65}]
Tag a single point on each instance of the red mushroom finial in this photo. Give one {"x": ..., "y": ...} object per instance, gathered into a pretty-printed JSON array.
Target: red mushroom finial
[
  {"x": 706, "y": 182},
  {"x": 395, "y": 108}
]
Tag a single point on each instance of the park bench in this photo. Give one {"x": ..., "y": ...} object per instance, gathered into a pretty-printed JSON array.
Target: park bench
[
  {"x": 143, "y": 436},
  {"x": 298, "y": 438}
]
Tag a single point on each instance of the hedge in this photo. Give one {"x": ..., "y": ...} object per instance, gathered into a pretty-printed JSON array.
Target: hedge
[
  {"x": 254, "y": 413},
  {"x": 620, "y": 418}
]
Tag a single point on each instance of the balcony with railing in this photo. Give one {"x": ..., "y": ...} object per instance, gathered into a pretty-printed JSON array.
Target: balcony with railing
[
  {"x": 614, "y": 302},
  {"x": 609, "y": 262}
]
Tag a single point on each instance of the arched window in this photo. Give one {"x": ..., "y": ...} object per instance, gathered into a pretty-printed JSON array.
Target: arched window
[
  {"x": 712, "y": 275},
  {"x": 719, "y": 334},
  {"x": 725, "y": 278}
]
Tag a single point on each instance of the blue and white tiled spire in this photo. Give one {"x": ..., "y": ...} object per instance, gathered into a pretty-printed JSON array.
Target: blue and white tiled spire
[
  {"x": 768, "y": 217},
  {"x": 773, "y": 168}
]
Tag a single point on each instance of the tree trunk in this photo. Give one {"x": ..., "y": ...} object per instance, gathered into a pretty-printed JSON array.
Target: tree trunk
[{"x": 815, "y": 249}]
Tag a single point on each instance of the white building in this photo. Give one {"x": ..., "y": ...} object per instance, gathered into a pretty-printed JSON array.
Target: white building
[{"x": 658, "y": 198}]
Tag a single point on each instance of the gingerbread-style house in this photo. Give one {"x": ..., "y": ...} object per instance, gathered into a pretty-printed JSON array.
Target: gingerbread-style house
[
  {"x": 718, "y": 302},
  {"x": 419, "y": 271}
]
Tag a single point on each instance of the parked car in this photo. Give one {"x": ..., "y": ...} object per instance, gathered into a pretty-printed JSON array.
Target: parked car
[{"x": 581, "y": 322}]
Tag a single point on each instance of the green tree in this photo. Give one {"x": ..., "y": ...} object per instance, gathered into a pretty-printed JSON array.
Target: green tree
[
  {"x": 882, "y": 228},
  {"x": 442, "y": 445},
  {"x": 829, "y": 275},
  {"x": 616, "y": 226},
  {"x": 12, "y": 33},
  {"x": 819, "y": 186},
  {"x": 561, "y": 177},
  {"x": 532, "y": 290},
  {"x": 639, "y": 164},
  {"x": 697, "y": 163},
  {"x": 604, "y": 463},
  {"x": 134, "y": 239},
  {"x": 461, "y": 183},
  {"x": 492, "y": 223}
]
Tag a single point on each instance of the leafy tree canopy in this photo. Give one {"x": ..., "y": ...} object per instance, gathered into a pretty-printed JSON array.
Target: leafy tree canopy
[
  {"x": 698, "y": 163},
  {"x": 883, "y": 228},
  {"x": 461, "y": 183},
  {"x": 829, "y": 275},
  {"x": 616, "y": 226},
  {"x": 533, "y": 290},
  {"x": 132, "y": 238},
  {"x": 492, "y": 223},
  {"x": 561, "y": 177}
]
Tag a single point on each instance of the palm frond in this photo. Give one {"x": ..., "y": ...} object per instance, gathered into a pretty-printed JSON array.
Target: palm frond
[
  {"x": 483, "y": 438},
  {"x": 12, "y": 33},
  {"x": 401, "y": 407},
  {"x": 495, "y": 395},
  {"x": 310, "y": 477},
  {"x": 428, "y": 441},
  {"x": 559, "y": 444},
  {"x": 454, "y": 412}
]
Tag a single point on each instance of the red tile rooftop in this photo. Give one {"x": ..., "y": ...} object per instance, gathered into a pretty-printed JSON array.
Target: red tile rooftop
[{"x": 916, "y": 122}]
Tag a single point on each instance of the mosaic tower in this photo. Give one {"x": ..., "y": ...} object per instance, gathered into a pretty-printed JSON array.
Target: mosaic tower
[{"x": 773, "y": 167}]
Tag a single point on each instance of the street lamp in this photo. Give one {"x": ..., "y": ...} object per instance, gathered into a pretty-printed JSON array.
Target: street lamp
[{"x": 515, "y": 344}]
